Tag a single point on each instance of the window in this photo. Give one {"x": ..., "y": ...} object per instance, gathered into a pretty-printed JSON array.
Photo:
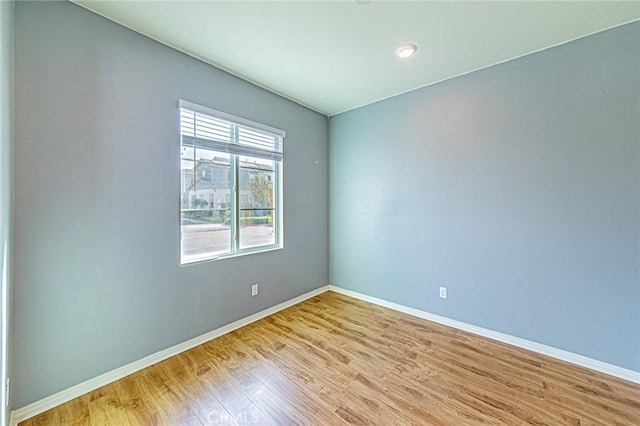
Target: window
[{"x": 231, "y": 185}]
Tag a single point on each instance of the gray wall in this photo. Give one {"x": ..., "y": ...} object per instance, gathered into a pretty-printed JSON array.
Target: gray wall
[
  {"x": 97, "y": 276},
  {"x": 6, "y": 167},
  {"x": 517, "y": 187}
]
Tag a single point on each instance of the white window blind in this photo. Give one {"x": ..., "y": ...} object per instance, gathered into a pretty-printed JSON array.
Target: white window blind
[{"x": 207, "y": 128}]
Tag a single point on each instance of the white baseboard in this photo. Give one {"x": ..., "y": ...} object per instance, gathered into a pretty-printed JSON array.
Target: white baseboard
[
  {"x": 583, "y": 361},
  {"x": 38, "y": 407}
]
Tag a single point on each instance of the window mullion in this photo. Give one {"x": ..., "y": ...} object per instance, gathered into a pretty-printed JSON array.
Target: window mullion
[
  {"x": 195, "y": 162},
  {"x": 236, "y": 193}
]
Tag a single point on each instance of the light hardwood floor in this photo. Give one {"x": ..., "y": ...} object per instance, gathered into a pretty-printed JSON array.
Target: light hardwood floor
[{"x": 336, "y": 360}]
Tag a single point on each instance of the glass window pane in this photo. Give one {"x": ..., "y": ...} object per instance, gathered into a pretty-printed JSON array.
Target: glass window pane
[
  {"x": 256, "y": 179},
  {"x": 206, "y": 203}
]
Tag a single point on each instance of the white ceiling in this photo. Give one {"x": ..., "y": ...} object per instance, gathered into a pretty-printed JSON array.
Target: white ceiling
[{"x": 333, "y": 56}]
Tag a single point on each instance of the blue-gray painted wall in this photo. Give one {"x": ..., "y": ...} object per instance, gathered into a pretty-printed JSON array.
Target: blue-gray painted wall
[
  {"x": 516, "y": 187},
  {"x": 97, "y": 276}
]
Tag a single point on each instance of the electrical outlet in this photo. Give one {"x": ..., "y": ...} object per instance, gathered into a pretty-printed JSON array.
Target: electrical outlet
[
  {"x": 443, "y": 292},
  {"x": 254, "y": 290}
]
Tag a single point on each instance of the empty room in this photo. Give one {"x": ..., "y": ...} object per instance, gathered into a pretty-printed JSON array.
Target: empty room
[{"x": 320, "y": 212}]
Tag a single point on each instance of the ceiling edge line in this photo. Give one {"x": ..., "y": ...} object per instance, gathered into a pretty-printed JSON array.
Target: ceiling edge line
[
  {"x": 206, "y": 61},
  {"x": 484, "y": 67}
]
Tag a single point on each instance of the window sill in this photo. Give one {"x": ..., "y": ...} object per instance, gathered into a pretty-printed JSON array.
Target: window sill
[{"x": 208, "y": 257}]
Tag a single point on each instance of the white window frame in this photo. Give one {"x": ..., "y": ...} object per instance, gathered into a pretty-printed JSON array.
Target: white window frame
[{"x": 278, "y": 159}]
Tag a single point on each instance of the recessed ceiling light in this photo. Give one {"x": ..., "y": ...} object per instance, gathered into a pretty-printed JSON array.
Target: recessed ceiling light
[{"x": 406, "y": 50}]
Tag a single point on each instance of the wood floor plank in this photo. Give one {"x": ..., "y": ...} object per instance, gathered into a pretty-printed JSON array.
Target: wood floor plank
[
  {"x": 107, "y": 409},
  {"x": 137, "y": 408},
  {"x": 335, "y": 360}
]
